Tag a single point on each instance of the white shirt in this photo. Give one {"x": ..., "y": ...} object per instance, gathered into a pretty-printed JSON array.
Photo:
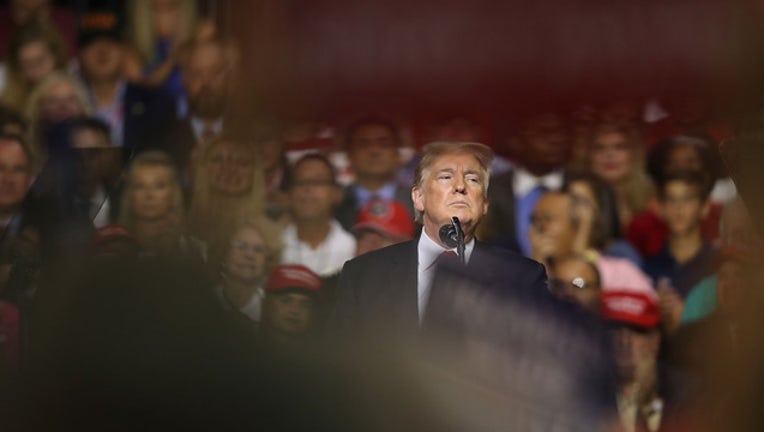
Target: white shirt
[
  {"x": 198, "y": 125},
  {"x": 428, "y": 251},
  {"x": 523, "y": 181},
  {"x": 327, "y": 259}
]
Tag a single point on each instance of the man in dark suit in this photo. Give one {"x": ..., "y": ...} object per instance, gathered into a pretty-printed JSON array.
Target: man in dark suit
[
  {"x": 541, "y": 149},
  {"x": 137, "y": 116},
  {"x": 372, "y": 145},
  {"x": 208, "y": 83},
  {"x": 389, "y": 290}
]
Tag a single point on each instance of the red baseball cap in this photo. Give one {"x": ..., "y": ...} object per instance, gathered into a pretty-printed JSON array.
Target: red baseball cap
[
  {"x": 386, "y": 217},
  {"x": 630, "y": 307},
  {"x": 290, "y": 276}
]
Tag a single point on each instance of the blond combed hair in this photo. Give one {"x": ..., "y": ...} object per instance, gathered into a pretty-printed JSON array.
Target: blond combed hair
[{"x": 434, "y": 150}]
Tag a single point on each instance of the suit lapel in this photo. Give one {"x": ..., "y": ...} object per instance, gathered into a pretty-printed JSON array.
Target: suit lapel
[{"x": 403, "y": 286}]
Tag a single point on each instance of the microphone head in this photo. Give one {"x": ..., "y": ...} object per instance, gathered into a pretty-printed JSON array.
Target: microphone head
[{"x": 448, "y": 235}]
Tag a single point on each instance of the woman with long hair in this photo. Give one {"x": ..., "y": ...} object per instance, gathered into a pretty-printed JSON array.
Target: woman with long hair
[
  {"x": 616, "y": 155},
  {"x": 35, "y": 51},
  {"x": 229, "y": 188}
]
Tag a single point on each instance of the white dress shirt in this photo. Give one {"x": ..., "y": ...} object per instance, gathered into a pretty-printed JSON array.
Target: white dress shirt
[
  {"x": 326, "y": 259},
  {"x": 428, "y": 252},
  {"x": 523, "y": 181}
]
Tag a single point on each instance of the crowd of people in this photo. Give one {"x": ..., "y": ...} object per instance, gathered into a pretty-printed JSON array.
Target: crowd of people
[{"x": 148, "y": 217}]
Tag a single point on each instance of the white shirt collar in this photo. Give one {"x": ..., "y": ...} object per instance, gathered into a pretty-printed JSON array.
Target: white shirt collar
[
  {"x": 523, "y": 181},
  {"x": 197, "y": 125},
  {"x": 429, "y": 250}
]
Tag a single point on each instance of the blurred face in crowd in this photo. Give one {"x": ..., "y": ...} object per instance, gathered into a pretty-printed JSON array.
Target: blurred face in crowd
[
  {"x": 25, "y": 10},
  {"x": 60, "y": 102},
  {"x": 552, "y": 231},
  {"x": 15, "y": 174},
  {"x": 635, "y": 351},
  {"x": 152, "y": 192},
  {"x": 682, "y": 208},
  {"x": 246, "y": 256},
  {"x": 546, "y": 143},
  {"x": 683, "y": 157},
  {"x": 290, "y": 313},
  {"x": 583, "y": 193},
  {"x": 102, "y": 60},
  {"x": 453, "y": 185},
  {"x": 574, "y": 280},
  {"x": 36, "y": 61},
  {"x": 96, "y": 158},
  {"x": 611, "y": 157},
  {"x": 206, "y": 80},
  {"x": 373, "y": 152},
  {"x": 313, "y": 193},
  {"x": 231, "y": 168}
]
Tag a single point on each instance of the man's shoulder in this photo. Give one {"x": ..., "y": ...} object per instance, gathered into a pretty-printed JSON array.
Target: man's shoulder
[
  {"x": 384, "y": 255},
  {"x": 499, "y": 254}
]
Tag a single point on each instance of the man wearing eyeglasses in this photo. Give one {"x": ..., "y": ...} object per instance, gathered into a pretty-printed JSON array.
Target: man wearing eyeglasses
[{"x": 314, "y": 238}]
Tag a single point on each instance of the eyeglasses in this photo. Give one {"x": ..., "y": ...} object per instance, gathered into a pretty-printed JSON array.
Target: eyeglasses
[
  {"x": 577, "y": 283},
  {"x": 242, "y": 247}
]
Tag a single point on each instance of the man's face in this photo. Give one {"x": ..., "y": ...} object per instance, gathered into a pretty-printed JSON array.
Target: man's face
[
  {"x": 15, "y": 174},
  {"x": 230, "y": 168},
  {"x": 551, "y": 231},
  {"x": 290, "y": 313},
  {"x": 101, "y": 60},
  {"x": 575, "y": 281},
  {"x": 635, "y": 351},
  {"x": 313, "y": 193},
  {"x": 681, "y": 207},
  {"x": 246, "y": 256},
  {"x": 454, "y": 185},
  {"x": 684, "y": 157},
  {"x": 60, "y": 102},
  {"x": 373, "y": 152},
  {"x": 36, "y": 61},
  {"x": 152, "y": 192},
  {"x": 206, "y": 81},
  {"x": 546, "y": 143}
]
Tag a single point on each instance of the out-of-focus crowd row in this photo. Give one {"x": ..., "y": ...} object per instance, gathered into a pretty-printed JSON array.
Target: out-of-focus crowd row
[{"x": 128, "y": 137}]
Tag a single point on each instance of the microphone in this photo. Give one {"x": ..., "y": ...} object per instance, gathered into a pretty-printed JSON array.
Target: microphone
[
  {"x": 449, "y": 234},
  {"x": 452, "y": 236}
]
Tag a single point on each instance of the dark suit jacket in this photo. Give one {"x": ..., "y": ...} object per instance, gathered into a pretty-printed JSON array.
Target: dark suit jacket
[
  {"x": 347, "y": 211},
  {"x": 147, "y": 115},
  {"x": 377, "y": 291}
]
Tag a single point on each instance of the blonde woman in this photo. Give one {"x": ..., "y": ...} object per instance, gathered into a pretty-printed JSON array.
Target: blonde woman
[
  {"x": 152, "y": 202},
  {"x": 229, "y": 187},
  {"x": 35, "y": 51},
  {"x": 616, "y": 155},
  {"x": 58, "y": 97},
  {"x": 252, "y": 252},
  {"x": 158, "y": 29}
]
